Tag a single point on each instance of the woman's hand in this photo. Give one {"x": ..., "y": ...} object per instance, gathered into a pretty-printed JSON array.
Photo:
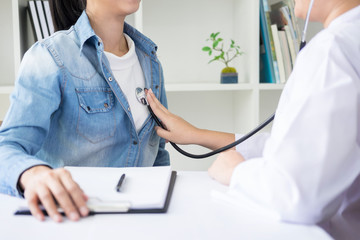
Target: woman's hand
[
  {"x": 177, "y": 129},
  {"x": 223, "y": 167},
  {"x": 48, "y": 187}
]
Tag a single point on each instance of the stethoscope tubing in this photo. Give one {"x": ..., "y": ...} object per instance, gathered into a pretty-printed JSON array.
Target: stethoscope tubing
[
  {"x": 249, "y": 134},
  {"x": 227, "y": 147}
]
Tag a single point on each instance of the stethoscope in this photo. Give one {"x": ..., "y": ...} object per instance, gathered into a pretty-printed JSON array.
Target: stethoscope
[{"x": 141, "y": 97}]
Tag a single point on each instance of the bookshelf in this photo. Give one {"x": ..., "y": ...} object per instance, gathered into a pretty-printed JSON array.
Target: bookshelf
[
  {"x": 193, "y": 86},
  {"x": 180, "y": 29}
]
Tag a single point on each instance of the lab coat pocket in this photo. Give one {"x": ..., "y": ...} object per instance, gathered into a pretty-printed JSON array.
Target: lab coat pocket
[{"x": 96, "y": 120}]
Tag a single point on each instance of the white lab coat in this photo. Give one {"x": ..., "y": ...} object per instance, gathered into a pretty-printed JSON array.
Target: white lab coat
[{"x": 308, "y": 169}]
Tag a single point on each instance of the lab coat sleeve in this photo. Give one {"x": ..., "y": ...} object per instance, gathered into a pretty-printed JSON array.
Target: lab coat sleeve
[
  {"x": 311, "y": 156},
  {"x": 252, "y": 147}
]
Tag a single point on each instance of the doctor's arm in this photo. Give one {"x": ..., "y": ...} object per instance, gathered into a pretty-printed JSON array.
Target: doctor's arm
[
  {"x": 181, "y": 132},
  {"x": 311, "y": 157}
]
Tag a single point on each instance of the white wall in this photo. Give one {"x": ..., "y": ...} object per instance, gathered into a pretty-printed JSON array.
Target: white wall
[
  {"x": 7, "y": 71},
  {"x": 6, "y": 44}
]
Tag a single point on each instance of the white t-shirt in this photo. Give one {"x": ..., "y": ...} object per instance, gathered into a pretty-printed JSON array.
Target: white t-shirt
[{"x": 129, "y": 75}]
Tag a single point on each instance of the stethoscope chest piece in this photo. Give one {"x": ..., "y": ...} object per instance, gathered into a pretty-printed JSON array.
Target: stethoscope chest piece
[{"x": 141, "y": 96}]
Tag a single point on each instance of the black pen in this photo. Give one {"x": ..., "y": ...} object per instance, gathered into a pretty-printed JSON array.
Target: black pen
[
  {"x": 121, "y": 180},
  {"x": 26, "y": 212}
]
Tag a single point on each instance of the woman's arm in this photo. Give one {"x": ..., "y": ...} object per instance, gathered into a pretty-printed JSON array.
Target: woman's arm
[
  {"x": 181, "y": 132},
  {"x": 36, "y": 97}
]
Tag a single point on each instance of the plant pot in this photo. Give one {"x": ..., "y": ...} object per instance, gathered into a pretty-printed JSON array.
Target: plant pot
[{"x": 229, "y": 77}]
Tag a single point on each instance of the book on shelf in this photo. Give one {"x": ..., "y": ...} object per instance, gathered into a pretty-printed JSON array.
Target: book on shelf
[
  {"x": 285, "y": 51},
  {"x": 41, "y": 18},
  {"x": 41, "y": 14},
  {"x": 291, "y": 45},
  {"x": 49, "y": 17},
  {"x": 272, "y": 74},
  {"x": 267, "y": 71},
  {"x": 282, "y": 14},
  {"x": 279, "y": 31},
  {"x": 278, "y": 51},
  {"x": 35, "y": 20}
]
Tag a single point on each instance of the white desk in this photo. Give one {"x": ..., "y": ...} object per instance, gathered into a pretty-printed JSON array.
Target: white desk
[{"x": 192, "y": 214}]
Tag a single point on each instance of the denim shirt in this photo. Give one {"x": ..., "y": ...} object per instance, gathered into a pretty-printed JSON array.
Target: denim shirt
[{"x": 68, "y": 110}]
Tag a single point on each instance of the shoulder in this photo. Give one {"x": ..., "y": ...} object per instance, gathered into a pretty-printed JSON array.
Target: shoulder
[
  {"x": 61, "y": 44},
  {"x": 337, "y": 45},
  {"x": 331, "y": 58},
  {"x": 339, "y": 39},
  {"x": 49, "y": 49}
]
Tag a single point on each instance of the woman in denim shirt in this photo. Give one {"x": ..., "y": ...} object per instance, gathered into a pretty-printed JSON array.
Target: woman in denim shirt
[{"x": 73, "y": 105}]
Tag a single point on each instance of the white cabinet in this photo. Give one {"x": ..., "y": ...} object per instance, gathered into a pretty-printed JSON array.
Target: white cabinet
[
  {"x": 16, "y": 38},
  {"x": 180, "y": 29}
]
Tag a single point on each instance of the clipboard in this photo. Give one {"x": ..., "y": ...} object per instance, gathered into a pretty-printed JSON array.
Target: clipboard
[
  {"x": 149, "y": 210},
  {"x": 122, "y": 207}
]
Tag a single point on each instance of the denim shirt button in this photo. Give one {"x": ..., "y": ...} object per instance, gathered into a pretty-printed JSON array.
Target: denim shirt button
[
  {"x": 110, "y": 79},
  {"x": 106, "y": 105},
  {"x": 135, "y": 142},
  {"x": 128, "y": 109}
]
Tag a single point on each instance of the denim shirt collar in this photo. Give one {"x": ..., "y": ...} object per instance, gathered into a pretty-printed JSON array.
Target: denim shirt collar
[{"x": 85, "y": 32}]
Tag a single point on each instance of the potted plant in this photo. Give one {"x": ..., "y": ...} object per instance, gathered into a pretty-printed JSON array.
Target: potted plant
[{"x": 228, "y": 74}]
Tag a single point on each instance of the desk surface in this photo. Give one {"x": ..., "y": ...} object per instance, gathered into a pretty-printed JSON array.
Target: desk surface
[{"x": 193, "y": 214}]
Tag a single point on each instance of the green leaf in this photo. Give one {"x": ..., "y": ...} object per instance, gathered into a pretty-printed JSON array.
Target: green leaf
[
  {"x": 210, "y": 52},
  {"x": 215, "y": 44},
  {"x": 206, "y": 49},
  {"x": 213, "y": 60},
  {"x": 216, "y": 34},
  {"x": 222, "y": 55},
  {"x": 220, "y": 39},
  {"x": 232, "y": 42}
]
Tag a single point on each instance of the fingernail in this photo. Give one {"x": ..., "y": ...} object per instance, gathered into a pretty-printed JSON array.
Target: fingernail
[
  {"x": 74, "y": 216},
  {"x": 57, "y": 218},
  {"x": 40, "y": 217},
  {"x": 85, "y": 197},
  {"x": 150, "y": 90},
  {"x": 84, "y": 211}
]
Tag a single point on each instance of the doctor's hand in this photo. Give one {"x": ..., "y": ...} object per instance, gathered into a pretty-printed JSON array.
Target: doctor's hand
[
  {"x": 177, "y": 129},
  {"x": 46, "y": 186},
  {"x": 223, "y": 167}
]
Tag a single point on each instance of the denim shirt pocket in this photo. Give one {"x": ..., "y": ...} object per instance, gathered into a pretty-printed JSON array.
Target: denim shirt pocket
[
  {"x": 96, "y": 120},
  {"x": 154, "y": 138}
]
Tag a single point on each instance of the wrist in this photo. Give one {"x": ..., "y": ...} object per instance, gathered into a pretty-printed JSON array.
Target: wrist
[
  {"x": 213, "y": 139},
  {"x": 27, "y": 174},
  {"x": 200, "y": 137}
]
